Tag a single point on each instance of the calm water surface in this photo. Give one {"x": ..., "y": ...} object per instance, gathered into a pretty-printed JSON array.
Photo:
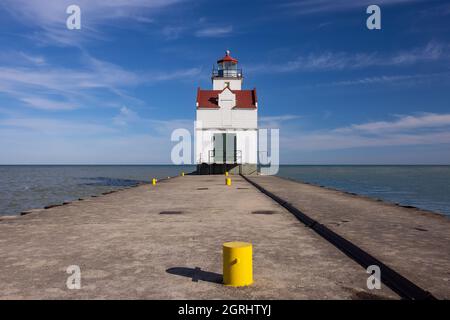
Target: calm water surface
[
  {"x": 426, "y": 187},
  {"x": 27, "y": 187}
]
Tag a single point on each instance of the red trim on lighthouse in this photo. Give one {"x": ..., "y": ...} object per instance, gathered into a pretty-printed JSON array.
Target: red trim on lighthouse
[
  {"x": 245, "y": 99},
  {"x": 227, "y": 58},
  {"x": 208, "y": 99}
]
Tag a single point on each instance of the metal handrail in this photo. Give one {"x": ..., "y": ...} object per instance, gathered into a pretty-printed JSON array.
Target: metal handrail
[
  {"x": 227, "y": 73},
  {"x": 237, "y": 156}
]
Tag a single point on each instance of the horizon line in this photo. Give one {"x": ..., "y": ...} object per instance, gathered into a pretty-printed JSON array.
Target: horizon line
[{"x": 180, "y": 165}]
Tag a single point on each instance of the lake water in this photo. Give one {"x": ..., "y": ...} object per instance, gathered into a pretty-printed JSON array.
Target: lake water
[
  {"x": 426, "y": 187},
  {"x": 28, "y": 187}
]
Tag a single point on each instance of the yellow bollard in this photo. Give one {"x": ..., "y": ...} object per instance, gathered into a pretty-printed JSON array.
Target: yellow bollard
[
  {"x": 153, "y": 181},
  {"x": 228, "y": 181},
  {"x": 237, "y": 264},
  {"x": 226, "y": 173},
  {"x": 182, "y": 173}
]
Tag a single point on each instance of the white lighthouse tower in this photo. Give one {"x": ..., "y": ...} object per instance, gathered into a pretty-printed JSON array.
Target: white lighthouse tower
[{"x": 226, "y": 130}]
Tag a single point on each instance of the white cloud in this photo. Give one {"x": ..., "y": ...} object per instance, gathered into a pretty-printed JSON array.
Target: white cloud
[
  {"x": 96, "y": 74},
  {"x": 212, "y": 32},
  {"x": 55, "y": 88},
  {"x": 125, "y": 116},
  {"x": 51, "y": 88},
  {"x": 182, "y": 74},
  {"x": 327, "y": 61},
  {"x": 172, "y": 32},
  {"x": 18, "y": 58},
  {"x": 428, "y": 120},
  {"x": 333, "y": 141},
  {"x": 48, "y": 17},
  {"x": 431, "y": 52},
  {"x": 304, "y": 7},
  {"x": 49, "y": 140},
  {"x": 50, "y": 11},
  {"x": 389, "y": 79},
  {"x": 53, "y": 127},
  {"x": 276, "y": 121},
  {"x": 55, "y": 141},
  {"x": 408, "y": 130},
  {"x": 37, "y": 60},
  {"x": 47, "y": 104},
  {"x": 29, "y": 148}
]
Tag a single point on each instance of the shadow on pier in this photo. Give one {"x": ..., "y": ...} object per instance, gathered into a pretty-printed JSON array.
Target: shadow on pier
[{"x": 196, "y": 274}]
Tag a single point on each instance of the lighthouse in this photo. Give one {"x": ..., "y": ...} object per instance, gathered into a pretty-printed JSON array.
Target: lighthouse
[{"x": 226, "y": 129}]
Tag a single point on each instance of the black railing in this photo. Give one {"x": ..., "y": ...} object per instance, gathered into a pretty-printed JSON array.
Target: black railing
[
  {"x": 225, "y": 157},
  {"x": 227, "y": 73}
]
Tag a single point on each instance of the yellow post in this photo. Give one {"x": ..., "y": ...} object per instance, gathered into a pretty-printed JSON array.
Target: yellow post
[
  {"x": 153, "y": 181},
  {"x": 226, "y": 173},
  {"x": 182, "y": 173},
  {"x": 237, "y": 264},
  {"x": 228, "y": 181}
]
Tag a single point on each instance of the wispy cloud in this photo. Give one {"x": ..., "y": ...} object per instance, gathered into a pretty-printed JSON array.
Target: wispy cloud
[
  {"x": 436, "y": 11},
  {"x": 47, "y": 104},
  {"x": 54, "y": 127},
  {"x": 51, "y": 88},
  {"x": 125, "y": 117},
  {"x": 424, "y": 129},
  {"x": 48, "y": 17},
  {"x": 409, "y": 79},
  {"x": 172, "y": 32},
  {"x": 57, "y": 141},
  {"x": 211, "y": 32},
  {"x": 276, "y": 121},
  {"x": 304, "y": 7},
  {"x": 20, "y": 58},
  {"x": 327, "y": 61},
  {"x": 403, "y": 123},
  {"x": 189, "y": 73},
  {"x": 55, "y": 88},
  {"x": 37, "y": 60},
  {"x": 95, "y": 74}
]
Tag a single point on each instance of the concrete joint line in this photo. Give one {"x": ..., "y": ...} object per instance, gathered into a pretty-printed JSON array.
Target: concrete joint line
[{"x": 395, "y": 281}]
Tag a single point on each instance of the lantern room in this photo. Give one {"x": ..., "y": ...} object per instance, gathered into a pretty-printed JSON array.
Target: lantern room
[
  {"x": 227, "y": 67},
  {"x": 226, "y": 73}
]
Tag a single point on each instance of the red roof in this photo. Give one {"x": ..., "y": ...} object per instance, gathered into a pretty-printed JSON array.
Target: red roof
[
  {"x": 227, "y": 58},
  {"x": 208, "y": 99}
]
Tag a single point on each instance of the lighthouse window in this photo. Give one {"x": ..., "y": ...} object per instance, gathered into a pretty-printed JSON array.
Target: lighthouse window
[{"x": 229, "y": 65}]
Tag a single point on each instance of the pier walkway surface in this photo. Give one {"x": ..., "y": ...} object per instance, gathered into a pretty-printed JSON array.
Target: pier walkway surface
[
  {"x": 413, "y": 242},
  {"x": 165, "y": 242}
]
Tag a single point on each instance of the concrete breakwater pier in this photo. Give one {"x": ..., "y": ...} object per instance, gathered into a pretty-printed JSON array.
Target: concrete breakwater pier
[{"x": 164, "y": 241}]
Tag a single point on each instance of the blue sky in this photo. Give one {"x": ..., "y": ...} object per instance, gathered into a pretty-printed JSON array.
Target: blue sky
[{"x": 113, "y": 91}]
